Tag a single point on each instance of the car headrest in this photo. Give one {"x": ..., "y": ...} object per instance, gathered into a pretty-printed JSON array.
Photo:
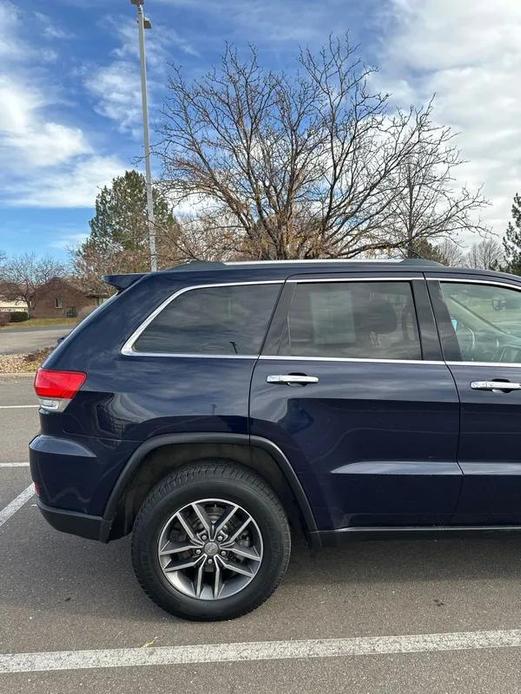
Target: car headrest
[{"x": 378, "y": 317}]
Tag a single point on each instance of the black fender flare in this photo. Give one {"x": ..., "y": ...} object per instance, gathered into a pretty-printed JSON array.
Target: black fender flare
[{"x": 152, "y": 444}]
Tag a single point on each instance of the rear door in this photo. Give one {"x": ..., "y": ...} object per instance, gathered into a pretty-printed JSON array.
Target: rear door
[
  {"x": 480, "y": 326},
  {"x": 352, "y": 388}
]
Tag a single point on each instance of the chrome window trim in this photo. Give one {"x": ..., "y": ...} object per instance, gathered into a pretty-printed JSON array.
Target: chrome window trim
[
  {"x": 189, "y": 355},
  {"x": 462, "y": 280},
  {"x": 465, "y": 281},
  {"x": 354, "y": 359},
  {"x": 365, "y": 360},
  {"x": 306, "y": 280},
  {"x": 128, "y": 348},
  {"x": 485, "y": 363}
]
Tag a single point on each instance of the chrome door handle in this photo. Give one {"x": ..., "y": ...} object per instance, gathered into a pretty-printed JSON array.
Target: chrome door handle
[
  {"x": 495, "y": 385},
  {"x": 290, "y": 379}
]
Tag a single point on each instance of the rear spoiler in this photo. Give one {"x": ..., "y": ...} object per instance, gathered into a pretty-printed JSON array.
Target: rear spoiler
[{"x": 121, "y": 282}]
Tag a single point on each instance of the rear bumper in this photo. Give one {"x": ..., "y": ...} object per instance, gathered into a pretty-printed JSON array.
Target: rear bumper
[
  {"x": 92, "y": 527},
  {"x": 66, "y": 473},
  {"x": 76, "y": 474}
]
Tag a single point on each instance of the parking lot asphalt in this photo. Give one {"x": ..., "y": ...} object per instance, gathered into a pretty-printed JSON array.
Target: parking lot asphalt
[
  {"x": 62, "y": 593},
  {"x": 25, "y": 341}
]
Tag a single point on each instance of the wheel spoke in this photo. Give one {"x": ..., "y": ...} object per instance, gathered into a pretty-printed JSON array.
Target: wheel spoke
[
  {"x": 246, "y": 552},
  {"x": 175, "y": 548},
  {"x": 217, "y": 580},
  {"x": 188, "y": 529},
  {"x": 199, "y": 580},
  {"x": 203, "y": 517},
  {"x": 237, "y": 533},
  {"x": 237, "y": 568},
  {"x": 225, "y": 518},
  {"x": 188, "y": 564}
]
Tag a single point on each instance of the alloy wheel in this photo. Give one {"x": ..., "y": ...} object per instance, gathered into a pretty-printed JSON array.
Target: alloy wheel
[{"x": 210, "y": 549}]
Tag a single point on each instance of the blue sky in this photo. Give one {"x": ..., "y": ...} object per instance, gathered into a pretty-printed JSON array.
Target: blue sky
[{"x": 69, "y": 89}]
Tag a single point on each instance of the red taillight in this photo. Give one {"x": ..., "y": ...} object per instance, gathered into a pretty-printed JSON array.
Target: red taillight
[{"x": 58, "y": 384}]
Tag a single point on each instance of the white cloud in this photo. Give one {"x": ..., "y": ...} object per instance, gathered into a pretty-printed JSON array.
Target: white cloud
[
  {"x": 9, "y": 22},
  {"x": 15, "y": 25},
  {"x": 469, "y": 55},
  {"x": 116, "y": 89},
  {"x": 272, "y": 20},
  {"x": 27, "y": 136},
  {"x": 116, "y": 86},
  {"x": 69, "y": 240},
  {"x": 45, "y": 162},
  {"x": 73, "y": 185},
  {"x": 51, "y": 30},
  {"x": 159, "y": 41}
]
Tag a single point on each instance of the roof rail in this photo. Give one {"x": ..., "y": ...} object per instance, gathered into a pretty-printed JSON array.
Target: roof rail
[
  {"x": 311, "y": 261},
  {"x": 195, "y": 265},
  {"x": 124, "y": 280},
  {"x": 420, "y": 261}
]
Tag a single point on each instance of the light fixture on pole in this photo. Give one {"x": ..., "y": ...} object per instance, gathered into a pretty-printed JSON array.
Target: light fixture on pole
[{"x": 144, "y": 23}]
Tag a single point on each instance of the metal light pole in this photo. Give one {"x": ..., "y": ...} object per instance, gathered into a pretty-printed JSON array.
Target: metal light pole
[{"x": 144, "y": 23}]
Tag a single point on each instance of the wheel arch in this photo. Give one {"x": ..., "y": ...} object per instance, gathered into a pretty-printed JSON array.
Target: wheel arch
[{"x": 157, "y": 457}]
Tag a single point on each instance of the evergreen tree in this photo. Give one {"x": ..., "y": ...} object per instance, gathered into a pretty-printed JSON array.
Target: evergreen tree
[
  {"x": 118, "y": 239},
  {"x": 512, "y": 240},
  {"x": 424, "y": 249}
]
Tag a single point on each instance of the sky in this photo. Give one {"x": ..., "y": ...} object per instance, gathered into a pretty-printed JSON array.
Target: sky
[{"x": 70, "y": 116}]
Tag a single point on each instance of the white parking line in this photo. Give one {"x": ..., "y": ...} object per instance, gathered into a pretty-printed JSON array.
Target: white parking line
[
  {"x": 16, "y": 504},
  {"x": 258, "y": 650},
  {"x": 17, "y": 407},
  {"x": 14, "y": 464}
]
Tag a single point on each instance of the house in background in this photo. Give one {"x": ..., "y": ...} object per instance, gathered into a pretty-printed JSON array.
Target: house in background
[
  {"x": 7, "y": 304},
  {"x": 61, "y": 297},
  {"x": 11, "y": 305}
]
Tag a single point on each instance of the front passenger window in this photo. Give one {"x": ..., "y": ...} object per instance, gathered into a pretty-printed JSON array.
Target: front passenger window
[
  {"x": 486, "y": 320},
  {"x": 364, "y": 320}
]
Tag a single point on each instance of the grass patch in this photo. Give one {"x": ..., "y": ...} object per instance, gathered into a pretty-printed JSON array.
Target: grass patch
[{"x": 40, "y": 323}]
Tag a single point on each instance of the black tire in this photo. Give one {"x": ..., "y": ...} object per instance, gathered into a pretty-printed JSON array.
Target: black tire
[{"x": 211, "y": 480}]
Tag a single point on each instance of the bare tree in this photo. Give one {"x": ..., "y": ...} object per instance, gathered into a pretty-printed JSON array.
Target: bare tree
[
  {"x": 428, "y": 206},
  {"x": 24, "y": 274},
  {"x": 486, "y": 255},
  {"x": 450, "y": 253},
  {"x": 310, "y": 165},
  {"x": 445, "y": 252},
  {"x": 207, "y": 236}
]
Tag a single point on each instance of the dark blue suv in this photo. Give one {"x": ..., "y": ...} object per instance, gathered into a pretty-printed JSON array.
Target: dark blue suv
[{"x": 211, "y": 407}]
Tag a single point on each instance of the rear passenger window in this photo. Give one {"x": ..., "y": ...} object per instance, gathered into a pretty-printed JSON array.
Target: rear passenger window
[
  {"x": 365, "y": 320},
  {"x": 214, "y": 320}
]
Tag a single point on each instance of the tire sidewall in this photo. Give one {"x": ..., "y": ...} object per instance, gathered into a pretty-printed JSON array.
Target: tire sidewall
[{"x": 146, "y": 539}]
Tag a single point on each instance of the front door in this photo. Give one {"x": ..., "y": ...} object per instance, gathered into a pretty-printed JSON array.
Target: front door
[
  {"x": 352, "y": 388},
  {"x": 480, "y": 325}
]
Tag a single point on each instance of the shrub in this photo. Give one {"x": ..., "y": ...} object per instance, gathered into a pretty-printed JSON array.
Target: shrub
[
  {"x": 4, "y": 318},
  {"x": 18, "y": 316}
]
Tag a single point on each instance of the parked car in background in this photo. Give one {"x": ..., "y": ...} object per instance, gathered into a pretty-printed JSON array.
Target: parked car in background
[{"x": 209, "y": 408}]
